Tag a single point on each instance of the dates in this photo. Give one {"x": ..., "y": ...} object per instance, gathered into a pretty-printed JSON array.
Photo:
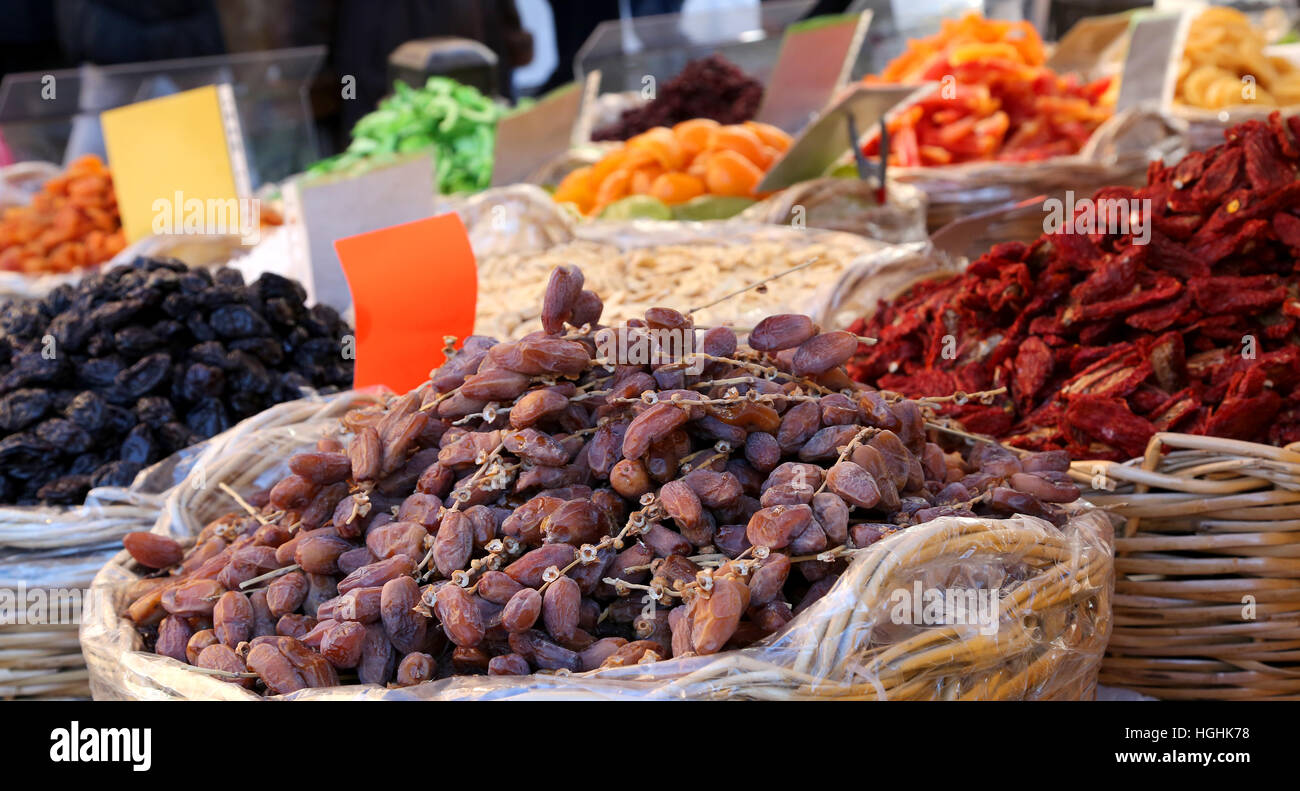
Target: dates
[
  {"x": 560, "y": 609},
  {"x": 459, "y": 615},
  {"x": 232, "y": 619},
  {"x": 154, "y": 551},
  {"x": 442, "y": 539},
  {"x": 785, "y": 331}
]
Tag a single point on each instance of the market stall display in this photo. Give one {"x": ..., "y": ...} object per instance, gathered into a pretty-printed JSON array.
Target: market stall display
[
  {"x": 573, "y": 508},
  {"x": 100, "y": 379},
  {"x": 1169, "y": 307},
  {"x": 676, "y": 169},
  {"x": 456, "y": 121},
  {"x": 712, "y": 87}
]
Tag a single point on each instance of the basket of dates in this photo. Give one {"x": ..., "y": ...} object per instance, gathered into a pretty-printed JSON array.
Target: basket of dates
[{"x": 653, "y": 510}]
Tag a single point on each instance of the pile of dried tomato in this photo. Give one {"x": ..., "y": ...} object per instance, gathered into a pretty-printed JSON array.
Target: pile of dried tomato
[{"x": 1102, "y": 341}]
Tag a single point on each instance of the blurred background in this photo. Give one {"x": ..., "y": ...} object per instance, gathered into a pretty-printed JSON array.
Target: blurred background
[{"x": 306, "y": 70}]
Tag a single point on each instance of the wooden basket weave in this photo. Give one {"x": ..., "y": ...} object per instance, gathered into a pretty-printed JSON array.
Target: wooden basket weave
[
  {"x": 1054, "y": 618},
  {"x": 1207, "y": 600}
]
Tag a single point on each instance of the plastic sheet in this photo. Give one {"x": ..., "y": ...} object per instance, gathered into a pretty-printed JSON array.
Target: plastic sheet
[{"x": 1040, "y": 634}]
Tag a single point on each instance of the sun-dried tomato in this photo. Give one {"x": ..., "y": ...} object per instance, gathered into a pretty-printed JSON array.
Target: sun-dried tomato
[{"x": 1106, "y": 337}]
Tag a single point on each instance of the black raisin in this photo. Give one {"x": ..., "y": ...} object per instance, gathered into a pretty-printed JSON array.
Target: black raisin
[
  {"x": 115, "y": 473},
  {"x": 208, "y": 418},
  {"x": 238, "y": 321},
  {"x": 202, "y": 381},
  {"x": 145, "y": 375},
  {"x": 68, "y": 490},
  {"x": 135, "y": 341},
  {"x": 154, "y": 411},
  {"x": 139, "y": 445},
  {"x": 65, "y": 435},
  {"x": 22, "y": 408},
  {"x": 88, "y": 410}
]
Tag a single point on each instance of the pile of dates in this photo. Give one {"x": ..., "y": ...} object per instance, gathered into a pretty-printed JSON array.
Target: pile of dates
[
  {"x": 102, "y": 378},
  {"x": 565, "y": 502}
]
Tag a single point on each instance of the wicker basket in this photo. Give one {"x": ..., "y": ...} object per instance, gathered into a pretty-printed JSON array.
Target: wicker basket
[
  {"x": 58, "y": 551},
  {"x": 1207, "y": 602},
  {"x": 1053, "y": 617}
]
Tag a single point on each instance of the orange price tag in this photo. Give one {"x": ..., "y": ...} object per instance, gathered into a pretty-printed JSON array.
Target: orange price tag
[{"x": 412, "y": 285}]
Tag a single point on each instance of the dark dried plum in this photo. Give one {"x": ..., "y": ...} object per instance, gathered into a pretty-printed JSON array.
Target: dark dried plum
[
  {"x": 199, "y": 328},
  {"x": 111, "y": 315},
  {"x": 71, "y": 330},
  {"x": 227, "y": 276},
  {"x": 209, "y": 353},
  {"x": 135, "y": 362},
  {"x": 24, "y": 456},
  {"x": 118, "y": 421},
  {"x": 34, "y": 367},
  {"x": 22, "y": 408},
  {"x": 86, "y": 463},
  {"x": 115, "y": 473},
  {"x": 202, "y": 381},
  {"x": 195, "y": 280},
  {"x": 179, "y": 305},
  {"x": 247, "y": 374},
  {"x": 316, "y": 352},
  {"x": 238, "y": 321},
  {"x": 100, "y": 343},
  {"x": 87, "y": 410},
  {"x": 145, "y": 375},
  {"x": 154, "y": 411},
  {"x": 168, "y": 330},
  {"x": 281, "y": 311},
  {"x": 266, "y": 350},
  {"x": 20, "y": 319},
  {"x": 135, "y": 341},
  {"x": 65, "y": 435},
  {"x": 243, "y": 403},
  {"x": 272, "y": 286},
  {"x": 101, "y": 371},
  {"x": 208, "y": 418},
  {"x": 139, "y": 446},
  {"x": 175, "y": 436},
  {"x": 68, "y": 490}
]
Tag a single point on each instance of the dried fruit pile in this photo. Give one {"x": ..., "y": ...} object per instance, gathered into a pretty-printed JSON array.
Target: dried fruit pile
[
  {"x": 711, "y": 87},
  {"x": 103, "y": 378},
  {"x": 1225, "y": 64},
  {"x": 996, "y": 98},
  {"x": 692, "y": 159},
  {"x": 70, "y": 224},
  {"x": 1103, "y": 340},
  {"x": 533, "y": 507}
]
